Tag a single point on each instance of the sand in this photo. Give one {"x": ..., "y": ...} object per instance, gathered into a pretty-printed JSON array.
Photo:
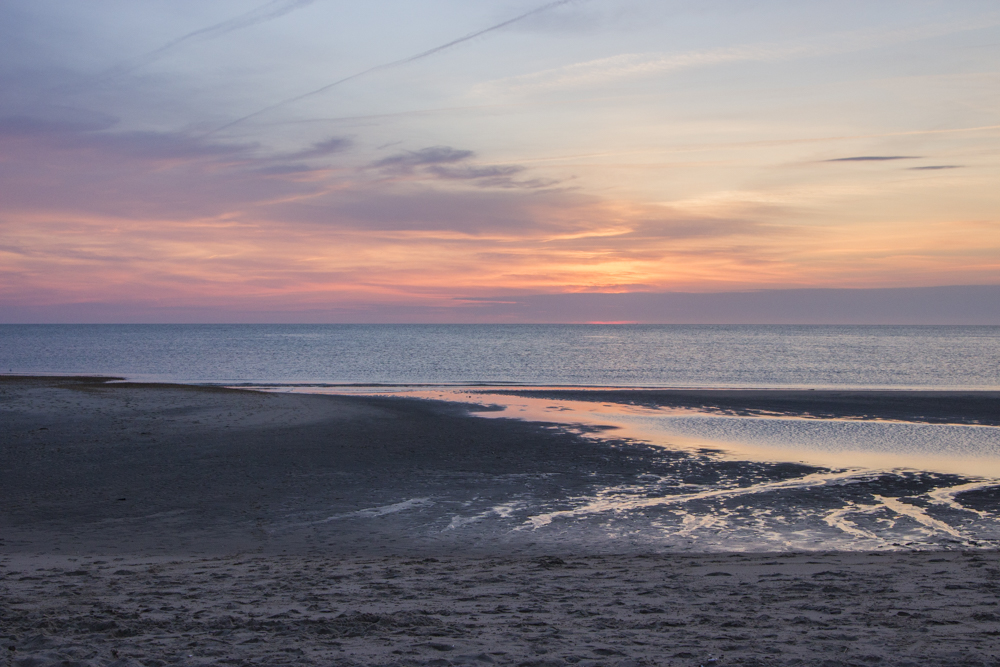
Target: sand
[
  {"x": 159, "y": 524},
  {"x": 932, "y": 407},
  {"x": 88, "y": 467},
  {"x": 786, "y": 609}
]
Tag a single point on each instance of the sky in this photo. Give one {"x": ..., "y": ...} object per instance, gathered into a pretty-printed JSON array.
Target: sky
[{"x": 498, "y": 160}]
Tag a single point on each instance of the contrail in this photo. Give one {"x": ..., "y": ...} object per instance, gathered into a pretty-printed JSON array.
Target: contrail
[
  {"x": 266, "y": 12},
  {"x": 395, "y": 63}
]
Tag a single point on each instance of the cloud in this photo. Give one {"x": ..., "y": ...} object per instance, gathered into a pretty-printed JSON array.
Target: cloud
[
  {"x": 491, "y": 176},
  {"x": 874, "y": 158},
  {"x": 143, "y": 145},
  {"x": 172, "y": 175},
  {"x": 434, "y": 155},
  {"x": 681, "y": 226},
  {"x": 934, "y": 167},
  {"x": 322, "y": 149},
  {"x": 949, "y": 305},
  {"x": 132, "y": 174},
  {"x": 563, "y": 218},
  {"x": 973, "y": 304},
  {"x": 423, "y": 208},
  {"x": 396, "y": 63},
  {"x": 603, "y": 71},
  {"x": 149, "y": 145},
  {"x": 467, "y": 172},
  {"x": 55, "y": 120},
  {"x": 287, "y": 169},
  {"x": 444, "y": 163},
  {"x": 266, "y": 12}
]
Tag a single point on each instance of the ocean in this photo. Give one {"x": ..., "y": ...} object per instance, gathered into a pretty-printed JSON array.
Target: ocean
[{"x": 912, "y": 357}]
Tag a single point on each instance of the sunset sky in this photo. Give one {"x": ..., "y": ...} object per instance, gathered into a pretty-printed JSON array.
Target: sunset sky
[{"x": 395, "y": 160}]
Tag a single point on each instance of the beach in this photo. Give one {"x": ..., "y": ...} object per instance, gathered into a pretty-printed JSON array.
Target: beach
[
  {"x": 628, "y": 609},
  {"x": 167, "y": 524},
  {"x": 925, "y": 406}
]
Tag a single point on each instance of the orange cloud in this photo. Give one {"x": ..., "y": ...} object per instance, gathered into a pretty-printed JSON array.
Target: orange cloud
[{"x": 173, "y": 221}]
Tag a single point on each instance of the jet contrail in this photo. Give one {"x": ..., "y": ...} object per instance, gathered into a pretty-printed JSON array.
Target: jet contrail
[
  {"x": 395, "y": 63},
  {"x": 266, "y": 12}
]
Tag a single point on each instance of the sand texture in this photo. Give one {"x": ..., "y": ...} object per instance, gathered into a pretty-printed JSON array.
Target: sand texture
[
  {"x": 162, "y": 524},
  {"x": 790, "y": 609}
]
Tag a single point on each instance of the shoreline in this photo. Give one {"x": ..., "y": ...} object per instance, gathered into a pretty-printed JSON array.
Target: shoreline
[
  {"x": 88, "y": 464},
  {"x": 918, "y": 405},
  {"x": 981, "y": 408}
]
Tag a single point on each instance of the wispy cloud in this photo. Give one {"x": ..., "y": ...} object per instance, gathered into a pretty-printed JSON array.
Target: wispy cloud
[
  {"x": 397, "y": 63},
  {"x": 321, "y": 149},
  {"x": 492, "y": 176},
  {"x": 603, "y": 71},
  {"x": 468, "y": 172},
  {"x": 758, "y": 144},
  {"x": 934, "y": 167},
  {"x": 433, "y": 155},
  {"x": 266, "y": 12},
  {"x": 873, "y": 158},
  {"x": 50, "y": 120},
  {"x": 447, "y": 163}
]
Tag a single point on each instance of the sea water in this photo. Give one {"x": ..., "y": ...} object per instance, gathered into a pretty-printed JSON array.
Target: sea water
[{"x": 928, "y": 357}]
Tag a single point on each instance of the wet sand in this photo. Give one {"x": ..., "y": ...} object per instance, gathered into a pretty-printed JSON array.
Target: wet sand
[
  {"x": 89, "y": 467},
  {"x": 932, "y": 407},
  {"x": 162, "y": 524}
]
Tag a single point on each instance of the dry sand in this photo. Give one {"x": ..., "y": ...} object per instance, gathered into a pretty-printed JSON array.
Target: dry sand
[
  {"x": 789, "y": 609},
  {"x": 158, "y": 524}
]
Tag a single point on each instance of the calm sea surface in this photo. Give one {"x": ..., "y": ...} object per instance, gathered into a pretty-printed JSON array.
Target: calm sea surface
[{"x": 606, "y": 355}]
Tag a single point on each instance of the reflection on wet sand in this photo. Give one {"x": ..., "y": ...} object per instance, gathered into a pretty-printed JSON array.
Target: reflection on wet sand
[
  {"x": 872, "y": 444},
  {"x": 856, "y": 484},
  {"x": 957, "y": 446}
]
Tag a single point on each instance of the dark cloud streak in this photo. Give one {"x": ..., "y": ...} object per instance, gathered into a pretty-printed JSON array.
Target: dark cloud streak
[
  {"x": 55, "y": 120},
  {"x": 470, "y": 172},
  {"x": 322, "y": 149},
  {"x": 433, "y": 155},
  {"x": 874, "y": 158},
  {"x": 443, "y": 162}
]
